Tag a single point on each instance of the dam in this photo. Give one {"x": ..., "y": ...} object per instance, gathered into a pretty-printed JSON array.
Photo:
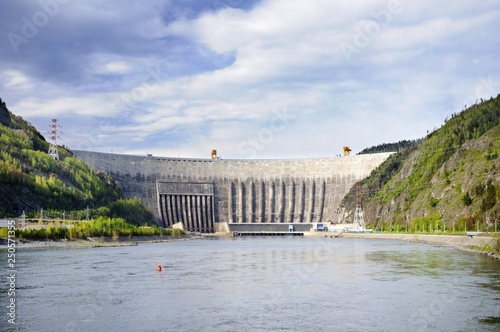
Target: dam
[{"x": 210, "y": 195}]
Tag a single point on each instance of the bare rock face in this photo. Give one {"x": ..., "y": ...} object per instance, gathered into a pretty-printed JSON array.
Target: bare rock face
[{"x": 4, "y": 115}]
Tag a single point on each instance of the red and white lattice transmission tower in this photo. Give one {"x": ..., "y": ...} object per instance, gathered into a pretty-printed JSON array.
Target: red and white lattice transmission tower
[{"x": 53, "y": 152}]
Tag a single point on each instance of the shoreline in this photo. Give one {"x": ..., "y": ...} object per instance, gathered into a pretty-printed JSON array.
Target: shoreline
[
  {"x": 460, "y": 242},
  {"x": 94, "y": 242}
]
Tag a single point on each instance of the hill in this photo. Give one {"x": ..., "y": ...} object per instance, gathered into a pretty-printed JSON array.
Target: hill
[
  {"x": 32, "y": 181},
  {"x": 450, "y": 180},
  {"x": 392, "y": 147}
]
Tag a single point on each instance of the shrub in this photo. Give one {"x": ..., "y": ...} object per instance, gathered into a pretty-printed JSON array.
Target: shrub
[
  {"x": 496, "y": 245},
  {"x": 177, "y": 232},
  {"x": 466, "y": 199}
]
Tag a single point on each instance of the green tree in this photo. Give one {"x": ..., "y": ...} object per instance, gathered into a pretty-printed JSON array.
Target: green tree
[
  {"x": 490, "y": 198},
  {"x": 466, "y": 199}
]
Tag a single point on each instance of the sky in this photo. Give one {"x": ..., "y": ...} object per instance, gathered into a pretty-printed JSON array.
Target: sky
[{"x": 250, "y": 79}]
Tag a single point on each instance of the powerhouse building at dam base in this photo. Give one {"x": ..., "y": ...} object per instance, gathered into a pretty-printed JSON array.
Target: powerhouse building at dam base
[{"x": 215, "y": 195}]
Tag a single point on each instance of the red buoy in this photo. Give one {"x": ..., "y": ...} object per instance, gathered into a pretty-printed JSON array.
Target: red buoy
[{"x": 159, "y": 268}]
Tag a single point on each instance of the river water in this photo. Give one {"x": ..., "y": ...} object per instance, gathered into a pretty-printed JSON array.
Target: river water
[{"x": 255, "y": 284}]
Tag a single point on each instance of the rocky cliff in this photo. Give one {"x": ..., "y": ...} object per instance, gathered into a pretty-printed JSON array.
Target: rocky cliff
[
  {"x": 4, "y": 115},
  {"x": 451, "y": 180}
]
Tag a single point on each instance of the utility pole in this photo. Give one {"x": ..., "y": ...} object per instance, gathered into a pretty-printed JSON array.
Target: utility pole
[{"x": 88, "y": 214}]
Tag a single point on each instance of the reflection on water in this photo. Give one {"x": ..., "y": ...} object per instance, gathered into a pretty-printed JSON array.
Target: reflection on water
[
  {"x": 258, "y": 284},
  {"x": 490, "y": 320},
  {"x": 415, "y": 262}
]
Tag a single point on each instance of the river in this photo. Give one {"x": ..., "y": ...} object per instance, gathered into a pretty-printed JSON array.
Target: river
[{"x": 255, "y": 284}]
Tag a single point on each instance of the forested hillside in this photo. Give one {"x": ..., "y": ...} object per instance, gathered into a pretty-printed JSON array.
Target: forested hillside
[
  {"x": 451, "y": 180},
  {"x": 32, "y": 181},
  {"x": 393, "y": 147}
]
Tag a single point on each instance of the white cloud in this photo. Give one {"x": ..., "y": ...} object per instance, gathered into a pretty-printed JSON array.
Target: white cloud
[
  {"x": 212, "y": 78},
  {"x": 90, "y": 105},
  {"x": 16, "y": 81},
  {"x": 114, "y": 67}
]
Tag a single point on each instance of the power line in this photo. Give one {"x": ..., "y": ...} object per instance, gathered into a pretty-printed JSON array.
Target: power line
[{"x": 16, "y": 198}]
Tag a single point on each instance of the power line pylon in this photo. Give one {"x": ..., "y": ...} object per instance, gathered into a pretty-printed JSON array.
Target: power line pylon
[{"x": 53, "y": 152}]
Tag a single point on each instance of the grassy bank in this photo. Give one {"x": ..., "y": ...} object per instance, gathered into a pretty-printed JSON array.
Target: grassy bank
[{"x": 100, "y": 227}]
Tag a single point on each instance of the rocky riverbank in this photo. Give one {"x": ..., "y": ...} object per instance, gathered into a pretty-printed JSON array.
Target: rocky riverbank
[
  {"x": 461, "y": 242},
  {"x": 95, "y": 242}
]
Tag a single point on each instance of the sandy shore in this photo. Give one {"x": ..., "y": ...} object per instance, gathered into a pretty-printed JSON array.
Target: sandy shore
[{"x": 95, "y": 242}]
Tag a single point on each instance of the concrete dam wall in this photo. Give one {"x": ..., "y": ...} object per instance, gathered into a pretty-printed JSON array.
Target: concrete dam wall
[{"x": 203, "y": 193}]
